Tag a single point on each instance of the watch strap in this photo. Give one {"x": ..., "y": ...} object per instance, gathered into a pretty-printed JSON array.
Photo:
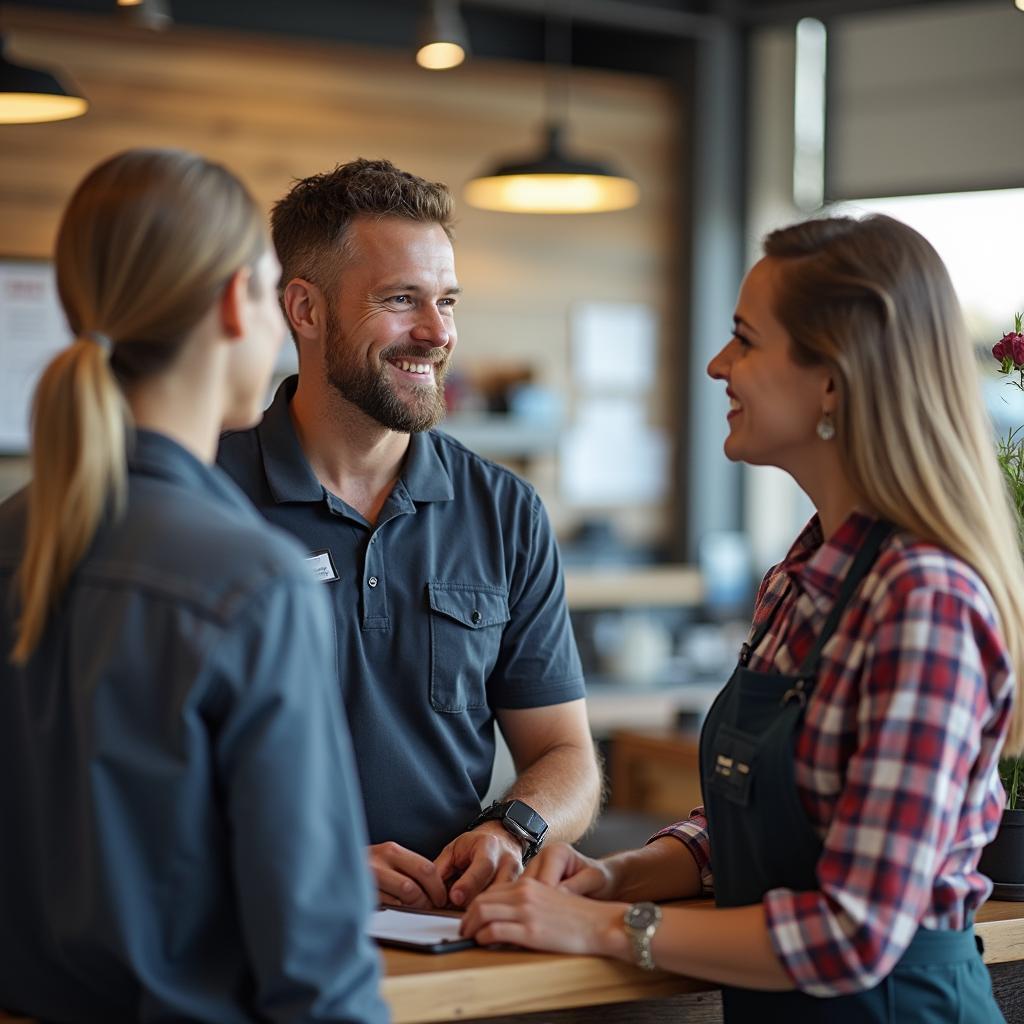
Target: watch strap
[
  {"x": 499, "y": 811},
  {"x": 640, "y": 936}
]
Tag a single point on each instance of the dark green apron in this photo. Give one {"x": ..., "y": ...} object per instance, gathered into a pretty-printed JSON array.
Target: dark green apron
[{"x": 761, "y": 839}]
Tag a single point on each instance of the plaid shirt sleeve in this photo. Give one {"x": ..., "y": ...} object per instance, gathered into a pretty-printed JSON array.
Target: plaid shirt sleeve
[
  {"x": 925, "y": 717},
  {"x": 693, "y": 834}
]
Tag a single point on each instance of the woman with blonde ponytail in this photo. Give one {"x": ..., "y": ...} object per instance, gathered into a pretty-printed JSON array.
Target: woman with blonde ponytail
[
  {"x": 848, "y": 767},
  {"x": 183, "y": 834}
]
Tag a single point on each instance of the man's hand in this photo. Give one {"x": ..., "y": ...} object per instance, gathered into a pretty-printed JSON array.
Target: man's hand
[
  {"x": 405, "y": 879},
  {"x": 478, "y": 859}
]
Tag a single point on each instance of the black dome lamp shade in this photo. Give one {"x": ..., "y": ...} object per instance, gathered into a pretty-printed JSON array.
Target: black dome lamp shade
[
  {"x": 31, "y": 95},
  {"x": 553, "y": 180}
]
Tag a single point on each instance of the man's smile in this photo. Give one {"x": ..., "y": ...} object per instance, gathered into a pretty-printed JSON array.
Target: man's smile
[{"x": 422, "y": 370}]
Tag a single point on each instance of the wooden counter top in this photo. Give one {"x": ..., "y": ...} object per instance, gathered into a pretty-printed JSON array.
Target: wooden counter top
[
  {"x": 421, "y": 988},
  {"x": 479, "y": 983}
]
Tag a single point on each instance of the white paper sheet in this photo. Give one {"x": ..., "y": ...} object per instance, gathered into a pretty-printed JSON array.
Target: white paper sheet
[
  {"x": 425, "y": 929},
  {"x": 614, "y": 347},
  {"x": 32, "y": 331},
  {"x": 612, "y": 457}
]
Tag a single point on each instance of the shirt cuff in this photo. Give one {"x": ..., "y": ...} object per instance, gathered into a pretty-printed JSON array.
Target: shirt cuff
[
  {"x": 693, "y": 834},
  {"x": 812, "y": 949},
  {"x": 515, "y": 695}
]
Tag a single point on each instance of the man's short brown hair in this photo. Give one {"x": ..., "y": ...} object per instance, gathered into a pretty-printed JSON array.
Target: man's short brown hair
[{"x": 310, "y": 224}]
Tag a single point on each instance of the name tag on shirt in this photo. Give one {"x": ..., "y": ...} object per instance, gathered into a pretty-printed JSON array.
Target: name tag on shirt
[{"x": 322, "y": 566}]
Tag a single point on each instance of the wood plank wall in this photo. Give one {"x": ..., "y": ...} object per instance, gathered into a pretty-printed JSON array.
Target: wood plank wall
[{"x": 274, "y": 109}]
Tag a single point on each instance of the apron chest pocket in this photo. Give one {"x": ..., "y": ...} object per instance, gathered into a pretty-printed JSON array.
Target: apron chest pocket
[
  {"x": 732, "y": 764},
  {"x": 466, "y": 624}
]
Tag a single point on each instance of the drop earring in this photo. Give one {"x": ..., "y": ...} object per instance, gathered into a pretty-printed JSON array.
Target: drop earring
[{"x": 826, "y": 428}]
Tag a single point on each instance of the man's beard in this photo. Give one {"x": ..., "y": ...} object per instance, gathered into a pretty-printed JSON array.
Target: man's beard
[{"x": 374, "y": 393}]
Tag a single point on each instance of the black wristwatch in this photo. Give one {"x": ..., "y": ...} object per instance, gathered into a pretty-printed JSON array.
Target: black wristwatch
[{"x": 518, "y": 818}]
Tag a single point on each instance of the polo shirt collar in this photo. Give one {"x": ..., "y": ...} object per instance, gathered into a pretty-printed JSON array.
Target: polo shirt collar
[
  {"x": 291, "y": 478},
  {"x": 289, "y": 475},
  {"x": 819, "y": 567},
  {"x": 424, "y": 474}
]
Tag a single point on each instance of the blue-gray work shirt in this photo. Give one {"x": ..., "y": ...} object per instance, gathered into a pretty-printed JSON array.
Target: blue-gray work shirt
[
  {"x": 182, "y": 837},
  {"x": 452, "y": 606}
]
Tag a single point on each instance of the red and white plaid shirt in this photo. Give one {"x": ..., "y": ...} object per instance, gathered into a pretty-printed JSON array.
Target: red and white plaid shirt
[{"x": 896, "y": 756}]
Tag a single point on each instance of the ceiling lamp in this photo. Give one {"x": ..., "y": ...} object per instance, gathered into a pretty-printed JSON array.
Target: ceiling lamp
[
  {"x": 154, "y": 14},
  {"x": 31, "y": 95},
  {"x": 442, "y": 40},
  {"x": 552, "y": 181}
]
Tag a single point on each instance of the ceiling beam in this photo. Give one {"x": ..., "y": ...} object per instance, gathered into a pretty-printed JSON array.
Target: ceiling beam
[
  {"x": 760, "y": 12},
  {"x": 622, "y": 14}
]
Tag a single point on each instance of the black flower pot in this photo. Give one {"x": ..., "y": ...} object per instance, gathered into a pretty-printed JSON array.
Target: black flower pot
[{"x": 1003, "y": 859}]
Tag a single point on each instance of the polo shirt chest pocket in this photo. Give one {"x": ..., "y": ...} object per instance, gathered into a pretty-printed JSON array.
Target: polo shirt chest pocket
[{"x": 466, "y": 624}]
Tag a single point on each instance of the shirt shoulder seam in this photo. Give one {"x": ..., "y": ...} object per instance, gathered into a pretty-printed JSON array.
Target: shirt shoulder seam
[{"x": 451, "y": 442}]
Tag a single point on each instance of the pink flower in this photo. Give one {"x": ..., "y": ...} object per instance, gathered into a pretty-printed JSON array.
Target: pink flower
[
  {"x": 1010, "y": 346},
  {"x": 1016, "y": 346}
]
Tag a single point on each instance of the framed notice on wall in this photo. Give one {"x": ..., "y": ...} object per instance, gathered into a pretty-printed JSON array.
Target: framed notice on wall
[{"x": 32, "y": 330}]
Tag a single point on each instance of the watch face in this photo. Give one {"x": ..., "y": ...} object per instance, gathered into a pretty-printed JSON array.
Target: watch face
[
  {"x": 526, "y": 818},
  {"x": 642, "y": 915}
]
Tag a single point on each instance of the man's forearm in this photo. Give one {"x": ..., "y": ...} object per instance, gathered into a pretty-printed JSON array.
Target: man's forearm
[
  {"x": 557, "y": 768},
  {"x": 564, "y": 787},
  {"x": 560, "y": 781}
]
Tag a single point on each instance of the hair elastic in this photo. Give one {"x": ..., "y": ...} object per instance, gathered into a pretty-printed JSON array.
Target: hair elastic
[{"x": 99, "y": 338}]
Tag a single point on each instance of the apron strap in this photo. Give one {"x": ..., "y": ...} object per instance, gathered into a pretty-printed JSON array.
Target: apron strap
[
  {"x": 807, "y": 674},
  {"x": 861, "y": 567},
  {"x": 754, "y": 642}
]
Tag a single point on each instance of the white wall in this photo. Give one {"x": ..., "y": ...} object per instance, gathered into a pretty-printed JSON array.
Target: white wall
[{"x": 928, "y": 100}]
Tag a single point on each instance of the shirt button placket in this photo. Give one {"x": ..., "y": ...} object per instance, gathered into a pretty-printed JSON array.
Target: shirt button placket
[{"x": 373, "y": 589}]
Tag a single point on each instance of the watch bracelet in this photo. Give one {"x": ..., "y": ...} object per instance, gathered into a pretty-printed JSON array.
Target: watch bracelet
[{"x": 531, "y": 846}]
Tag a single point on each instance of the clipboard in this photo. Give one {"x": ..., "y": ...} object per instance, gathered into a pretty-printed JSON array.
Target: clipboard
[{"x": 418, "y": 930}]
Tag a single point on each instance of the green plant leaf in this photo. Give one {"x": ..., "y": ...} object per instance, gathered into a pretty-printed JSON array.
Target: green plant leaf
[{"x": 1011, "y": 772}]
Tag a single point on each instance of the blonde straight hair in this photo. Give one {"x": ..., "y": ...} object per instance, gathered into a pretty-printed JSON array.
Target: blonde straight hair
[
  {"x": 146, "y": 245},
  {"x": 872, "y": 300}
]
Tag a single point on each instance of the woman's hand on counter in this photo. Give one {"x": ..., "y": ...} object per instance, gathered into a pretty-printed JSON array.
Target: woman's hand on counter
[
  {"x": 561, "y": 865},
  {"x": 729, "y": 946},
  {"x": 534, "y": 915},
  {"x": 662, "y": 870}
]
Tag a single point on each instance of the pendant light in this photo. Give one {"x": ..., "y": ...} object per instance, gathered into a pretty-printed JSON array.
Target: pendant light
[
  {"x": 553, "y": 180},
  {"x": 31, "y": 95},
  {"x": 442, "y": 40},
  {"x": 153, "y": 14}
]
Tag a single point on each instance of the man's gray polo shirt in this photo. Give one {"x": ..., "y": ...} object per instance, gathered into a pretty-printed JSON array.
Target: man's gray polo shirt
[{"x": 452, "y": 606}]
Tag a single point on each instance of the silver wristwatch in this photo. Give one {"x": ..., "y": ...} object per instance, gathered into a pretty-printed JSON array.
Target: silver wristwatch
[{"x": 641, "y": 921}]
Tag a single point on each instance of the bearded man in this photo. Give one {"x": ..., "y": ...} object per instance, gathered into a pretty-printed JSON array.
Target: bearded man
[{"x": 442, "y": 568}]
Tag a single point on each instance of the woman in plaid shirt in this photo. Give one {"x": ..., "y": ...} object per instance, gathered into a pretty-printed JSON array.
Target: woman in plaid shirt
[{"x": 849, "y": 766}]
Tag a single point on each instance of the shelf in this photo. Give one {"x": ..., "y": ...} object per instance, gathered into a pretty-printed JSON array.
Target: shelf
[
  {"x": 649, "y": 586},
  {"x": 612, "y": 706},
  {"x": 500, "y": 435}
]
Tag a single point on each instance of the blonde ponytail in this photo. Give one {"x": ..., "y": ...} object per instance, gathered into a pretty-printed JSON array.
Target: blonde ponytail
[
  {"x": 78, "y": 471},
  {"x": 144, "y": 248}
]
